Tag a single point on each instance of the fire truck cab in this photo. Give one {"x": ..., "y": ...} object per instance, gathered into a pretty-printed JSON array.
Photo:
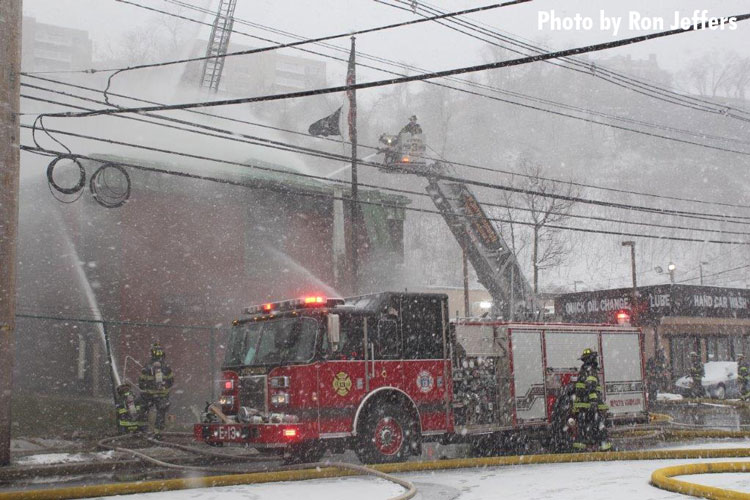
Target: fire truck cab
[{"x": 381, "y": 373}]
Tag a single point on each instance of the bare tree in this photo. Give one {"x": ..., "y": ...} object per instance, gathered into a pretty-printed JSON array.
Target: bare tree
[{"x": 538, "y": 210}]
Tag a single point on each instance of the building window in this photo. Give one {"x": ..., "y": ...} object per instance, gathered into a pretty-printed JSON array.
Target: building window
[
  {"x": 717, "y": 349},
  {"x": 680, "y": 348}
]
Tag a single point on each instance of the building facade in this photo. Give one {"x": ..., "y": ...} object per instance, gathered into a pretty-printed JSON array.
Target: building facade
[
  {"x": 46, "y": 47},
  {"x": 711, "y": 321},
  {"x": 177, "y": 263}
]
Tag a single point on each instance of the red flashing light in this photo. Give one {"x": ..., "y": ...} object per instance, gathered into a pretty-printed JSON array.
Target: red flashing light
[
  {"x": 405, "y": 159},
  {"x": 314, "y": 300},
  {"x": 267, "y": 307},
  {"x": 623, "y": 317},
  {"x": 290, "y": 433},
  {"x": 228, "y": 385}
]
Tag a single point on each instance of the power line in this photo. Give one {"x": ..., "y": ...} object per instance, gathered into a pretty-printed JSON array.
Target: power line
[
  {"x": 479, "y": 85},
  {"x": 661, "y": 211},
  {"x": 323, "y": 154},
  {"x": 453, "y": 162},
  {"x": 323, "y": 38},
  {"x": 588, "y": 68},
  {"x": 714, "y": 274},
  {"x": 382, "y": 204},
  {"x": 407, "y": 79},
  {"x": 288, "y": 147}
]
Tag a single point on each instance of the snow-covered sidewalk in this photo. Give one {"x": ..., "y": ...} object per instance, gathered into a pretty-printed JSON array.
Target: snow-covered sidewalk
[{"x": 575, "y": 481}]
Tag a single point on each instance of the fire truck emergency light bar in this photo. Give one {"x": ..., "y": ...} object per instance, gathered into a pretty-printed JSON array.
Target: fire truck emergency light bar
[{"x": 290, "y": 305}]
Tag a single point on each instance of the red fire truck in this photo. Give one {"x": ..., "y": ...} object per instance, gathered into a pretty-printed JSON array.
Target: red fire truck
[{"x": 382, "y": 373}]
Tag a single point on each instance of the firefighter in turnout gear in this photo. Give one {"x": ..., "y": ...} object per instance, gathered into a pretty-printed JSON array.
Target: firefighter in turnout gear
[
  {"x": 743, "y": 377},
  {"x": 696, "y": 373},
  {"x": 130, "y": 415},
  {"x": 155, "y": 381},
  {"x": 589, "y": 408}
]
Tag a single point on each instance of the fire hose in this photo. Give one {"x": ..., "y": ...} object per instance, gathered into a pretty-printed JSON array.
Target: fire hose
[{"x": 324, "y": 470}]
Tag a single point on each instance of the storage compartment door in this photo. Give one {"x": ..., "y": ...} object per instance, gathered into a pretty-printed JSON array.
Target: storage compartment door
[
  {"x": 622, "y": 373},
  {"x": 528, "y": 374}
]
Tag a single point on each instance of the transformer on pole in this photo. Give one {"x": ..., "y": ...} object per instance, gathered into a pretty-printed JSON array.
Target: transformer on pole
[{"x": 217, "y": 45}]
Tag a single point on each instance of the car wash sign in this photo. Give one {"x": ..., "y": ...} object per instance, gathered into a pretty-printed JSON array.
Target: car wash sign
[{"x": 654, "y": 302}]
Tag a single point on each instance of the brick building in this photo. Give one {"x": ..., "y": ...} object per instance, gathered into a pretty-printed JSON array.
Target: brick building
[{"x": 177, "y": 263}]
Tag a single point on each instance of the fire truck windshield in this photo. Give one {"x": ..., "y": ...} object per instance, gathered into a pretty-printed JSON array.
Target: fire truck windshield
[{"x": 284, "y": 340}]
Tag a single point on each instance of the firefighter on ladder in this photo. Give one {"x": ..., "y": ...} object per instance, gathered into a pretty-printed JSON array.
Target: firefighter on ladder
[
  {"x": 130, "y": 414},
  {"x": 155, "y": 381},
  {"x": 589, "y": 408}
]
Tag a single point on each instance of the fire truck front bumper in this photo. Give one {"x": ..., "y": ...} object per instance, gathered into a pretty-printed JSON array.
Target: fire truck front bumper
[{"x": 260, "y": 436}]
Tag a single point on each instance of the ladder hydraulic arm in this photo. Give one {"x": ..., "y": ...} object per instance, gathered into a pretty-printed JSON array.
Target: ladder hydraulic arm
[{"x": 494, "y": 262}]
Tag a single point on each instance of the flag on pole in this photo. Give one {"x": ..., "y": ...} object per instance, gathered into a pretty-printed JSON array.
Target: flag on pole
[{"x": 327, "y": 126}]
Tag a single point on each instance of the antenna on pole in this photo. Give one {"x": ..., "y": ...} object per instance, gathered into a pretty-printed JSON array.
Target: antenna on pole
[{"x": 218, "y": 44}]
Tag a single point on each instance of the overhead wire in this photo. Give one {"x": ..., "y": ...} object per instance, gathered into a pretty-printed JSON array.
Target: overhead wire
[
  {"x": 243, "y": 138},
  {"x": 232, "y": 135},
  {"x": 554, "y": 112},
  {"x": 286, "y": 190},
  {"x": 523, "y": 96},
  {"x": 493, "y": 89},
  {"x": 454, "y": 162},
  {"x": 407, "y": 79},
  {"x": 465, "y": 82},
  {"x": 585, "y": 67},
  {"x": 365, "y": 202},
  {"x": 264, "y": 142}
]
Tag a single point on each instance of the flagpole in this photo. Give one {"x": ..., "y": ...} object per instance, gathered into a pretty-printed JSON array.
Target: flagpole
[{"x": 351, "y": 80}]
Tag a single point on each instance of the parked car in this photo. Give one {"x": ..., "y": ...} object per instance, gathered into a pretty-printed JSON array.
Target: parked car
[{"x": 720, "y": 380}]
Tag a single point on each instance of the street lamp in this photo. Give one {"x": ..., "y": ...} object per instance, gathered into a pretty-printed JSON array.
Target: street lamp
[
  {"x": 671, "y": 267},
  {"x": 700, "y": 265}
]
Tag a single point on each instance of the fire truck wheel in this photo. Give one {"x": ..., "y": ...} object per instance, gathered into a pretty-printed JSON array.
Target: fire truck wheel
[{"x": 386, "y": 435}]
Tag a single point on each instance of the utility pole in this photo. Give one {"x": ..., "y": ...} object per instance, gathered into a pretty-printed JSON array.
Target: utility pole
[
  {"x": 10, "y": 157},
  {"x": 634, "y": 298},
  {"x": 351, "y": 79}
]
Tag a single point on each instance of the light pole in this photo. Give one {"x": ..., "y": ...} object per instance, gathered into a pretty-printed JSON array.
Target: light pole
[
  {"x": 633, "y": 299},
  {"x": 700, "y": 266},
  {"x": 671, "y": 267}
]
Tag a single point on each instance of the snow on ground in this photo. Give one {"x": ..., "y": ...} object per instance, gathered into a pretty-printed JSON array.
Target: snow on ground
[
  {"x": 666, "y": 396},
  {"x": 361, "y": 488},
  {"x": 575, "y": 481},
  {"x": 62, "y": 458}
]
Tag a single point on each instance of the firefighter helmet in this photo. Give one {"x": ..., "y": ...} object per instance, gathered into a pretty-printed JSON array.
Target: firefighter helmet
[
  {"x": 123, "y": 389},
  {"x": 588, "y": 355},
  {"x": 157, "y": 352}
]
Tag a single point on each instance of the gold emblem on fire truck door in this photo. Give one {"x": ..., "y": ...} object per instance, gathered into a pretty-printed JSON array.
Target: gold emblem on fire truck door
[{"x": 342, "y": 384}]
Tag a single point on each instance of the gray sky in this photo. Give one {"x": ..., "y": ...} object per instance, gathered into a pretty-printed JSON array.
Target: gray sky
[{"x": 427, "y": 45}]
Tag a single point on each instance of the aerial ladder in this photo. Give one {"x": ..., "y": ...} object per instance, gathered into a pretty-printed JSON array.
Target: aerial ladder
[
  {"x": 493, "y": 260},
  {"x": 218, "y": 43}
]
